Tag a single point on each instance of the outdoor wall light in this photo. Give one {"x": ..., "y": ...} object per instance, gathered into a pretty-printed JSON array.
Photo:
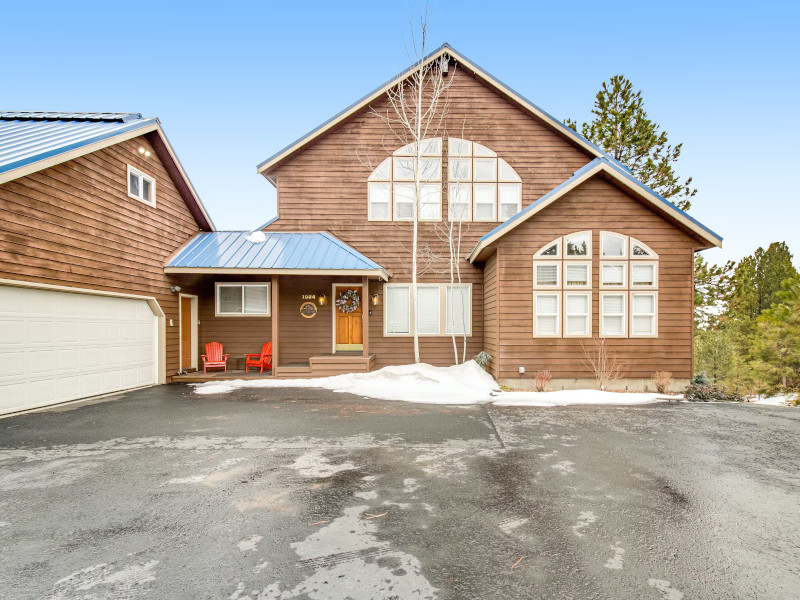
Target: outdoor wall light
[
  {"x": 322, "y": 299},
  {"x": 174, "y": 288},
  {"x": 143, "y": 151},
  {"x": 375, "y": 299}
]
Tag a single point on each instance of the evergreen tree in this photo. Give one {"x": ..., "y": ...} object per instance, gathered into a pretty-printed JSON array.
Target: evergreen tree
[
  {"x": 776, "y": 343},
  {"x": 622, "y": 128},
  {"x": 712, "y": 286},
  {"x": 714, "y": 354},
  {"x": 757, "y": 281}
]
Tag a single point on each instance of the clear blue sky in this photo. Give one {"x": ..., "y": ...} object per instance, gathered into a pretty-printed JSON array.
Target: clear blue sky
[{"x": 235, "y": 82}]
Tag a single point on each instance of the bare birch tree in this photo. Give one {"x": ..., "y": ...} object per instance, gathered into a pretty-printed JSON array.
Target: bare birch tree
[{"x": 418, "y": 105}]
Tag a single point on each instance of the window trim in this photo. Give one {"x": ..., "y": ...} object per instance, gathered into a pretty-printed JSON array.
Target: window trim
[
  {"x": 443, "y": 316},
  {"x": 633, "y": 241},
  {"x": 624, "y": 285},
  {"x": 557, "y": 242},
  {"x": 625, "y": 251},
  {"x": 587, "y": 256},
  {"x": 388, "y": 184},
  {"x": 654, "y": 286},
  {"x": 589, "y": 313},
  {"x": 468, "y": 186},
  {"x": 603, "y": 333},
  {"x": 242, "y": 284},
  {"x": 142, "y": 176},
  {"x": 631, "y": 334},
  {"x": 587, "y": 285},
  {"x": 547, "y": 263},
  {"x": 438, "y": 185},
  {"x": 558, "y": 315},
  {"x": 493, "y": 218}
]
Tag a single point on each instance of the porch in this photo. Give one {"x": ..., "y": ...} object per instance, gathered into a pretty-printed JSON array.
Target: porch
[{"x": 292, "y": 306}]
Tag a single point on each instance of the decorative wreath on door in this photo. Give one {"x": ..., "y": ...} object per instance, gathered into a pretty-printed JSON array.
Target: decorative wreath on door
[{"x": 348, "y": 301}]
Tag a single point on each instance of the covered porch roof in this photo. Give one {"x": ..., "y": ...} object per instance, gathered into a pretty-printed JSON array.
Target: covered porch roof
[{"x": 275, "y": 253}]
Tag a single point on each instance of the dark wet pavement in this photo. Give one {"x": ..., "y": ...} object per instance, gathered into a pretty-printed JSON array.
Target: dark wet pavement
[{"x": 278, "y": 494}]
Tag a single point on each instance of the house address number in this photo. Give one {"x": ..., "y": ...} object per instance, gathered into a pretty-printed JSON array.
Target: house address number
[{"x": 308, "y": 297}]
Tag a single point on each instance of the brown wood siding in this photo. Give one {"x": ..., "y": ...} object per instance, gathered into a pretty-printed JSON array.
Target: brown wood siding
[
  {"x": 491, "y": 313},
  {"x": 324, "y": 188},
  {"x": 596, "y": 205},
  {"x": 75, "y": 225},
  {"x": 238, "y": 335}
]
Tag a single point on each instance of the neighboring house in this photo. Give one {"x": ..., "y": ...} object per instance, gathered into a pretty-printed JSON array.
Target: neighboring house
[
  {"x": 562, "y": 247},
  {"x": 91, "y": 206}
]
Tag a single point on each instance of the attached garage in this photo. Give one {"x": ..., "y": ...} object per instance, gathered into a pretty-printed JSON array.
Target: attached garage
[{"x": 58, "y": 344}]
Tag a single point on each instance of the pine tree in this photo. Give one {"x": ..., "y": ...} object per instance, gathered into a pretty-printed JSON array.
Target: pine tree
[
  {"x": 712, "y": 285},
  {"x": 622, "y": 128},
  {"x": 776, "y": 342},
  {"x": 757, "y": 279}
]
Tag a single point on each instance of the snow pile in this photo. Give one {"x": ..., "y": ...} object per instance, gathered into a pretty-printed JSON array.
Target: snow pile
[
  {"x": 256, "y": 237},
  {"x": 569, "y": 397},
  {"x": 459, "y": 384}
]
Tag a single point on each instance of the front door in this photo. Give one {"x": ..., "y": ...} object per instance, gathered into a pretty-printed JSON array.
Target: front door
[
  {"x": 348, "y": 319},
  {"x": 186, "y": 333}
]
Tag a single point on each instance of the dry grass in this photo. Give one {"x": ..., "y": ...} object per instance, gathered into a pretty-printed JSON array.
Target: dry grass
[
  {"x": 602, "y": 362},
  {"x": 543, "y": 379},
  {"x": 662, "y": 380}
]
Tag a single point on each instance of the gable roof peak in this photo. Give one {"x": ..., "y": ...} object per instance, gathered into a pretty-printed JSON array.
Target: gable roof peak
[{"x": 489, "y": 79}]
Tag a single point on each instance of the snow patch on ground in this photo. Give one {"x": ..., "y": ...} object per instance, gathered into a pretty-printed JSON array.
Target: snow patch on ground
[
  {"x": 779, "y": 400},
  {"x": 314, "y": 464},
  {"x": 666, "y": 589},
  {"x": 584, "y": 520},
  {"x": 460, "y": 384},
  {"x": 249, "y": 544},
  {"x": 564, "y": 466},
  {"x": 615, "y": 562},
  {"x": 123, "y": 583},
  {"x": 570, "y": 397}
]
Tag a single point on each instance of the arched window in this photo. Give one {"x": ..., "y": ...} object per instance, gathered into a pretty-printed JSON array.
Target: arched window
[
  {"x": 480, "y": 185},
  {"x": 628, "y": 287}
]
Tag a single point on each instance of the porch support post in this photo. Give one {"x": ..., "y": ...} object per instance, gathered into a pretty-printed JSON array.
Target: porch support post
[
  {"x": 274, "y": 303},
  {"x": 365, "y": 316}
]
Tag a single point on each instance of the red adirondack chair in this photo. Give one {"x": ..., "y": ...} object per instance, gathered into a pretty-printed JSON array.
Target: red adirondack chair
[
  {"x": 214, "y": 357},
  {"x": 263, "y": 360}
]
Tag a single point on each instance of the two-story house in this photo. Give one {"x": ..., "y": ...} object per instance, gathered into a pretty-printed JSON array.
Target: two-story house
[{"x": 561, "y": 246}]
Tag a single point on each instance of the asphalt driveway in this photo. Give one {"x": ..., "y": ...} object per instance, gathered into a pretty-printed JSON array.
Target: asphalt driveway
[{"x": 278, "y": 494}]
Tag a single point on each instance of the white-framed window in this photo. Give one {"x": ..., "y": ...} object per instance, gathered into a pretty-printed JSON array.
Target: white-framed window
[
  {"x": 577, "y": 314},
  {"x": 458, "y": 309},
  {"x": 391, "y": 192},
  {"x": 397, "y": 309},
  {"x": 485, "y": 201},
  {"x": 578, "y": 245},
  {"x": 141, "y": 186},
  {"x": 242, "y": 299},
  {"x": 644, "y": 314},
  {"x": 441, "y": 309},
  {"x": 546, "y": 274},
  {"x": 546, "y": 314},
  {"x": 628, "y": 272},
  {"x": 380, "y": 201},
  {"x": 429, "y": 309},
  {"x": 644, "y": 275},
  {"x": 612, "y": 314},
  {"x": 613, "y": 245},
  {"x": 577, "y": 274},
  {"x": 640, "y": 251},
  {"x": 613, "y": 275},
  {"x": 460, "y": 201}
]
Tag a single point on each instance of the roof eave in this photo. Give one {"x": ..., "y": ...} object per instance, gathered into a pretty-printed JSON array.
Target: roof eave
[
  {"x": 381, "y": 274},
  {"x": 275, "y": 159}
]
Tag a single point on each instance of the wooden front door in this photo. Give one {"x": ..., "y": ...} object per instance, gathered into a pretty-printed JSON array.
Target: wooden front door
[
  {"x": 349, "y": 324},
  {"x": 186, "y": 333}
]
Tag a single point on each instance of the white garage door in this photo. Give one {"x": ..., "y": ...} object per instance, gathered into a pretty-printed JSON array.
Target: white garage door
[{"x": 58, "y": 346}]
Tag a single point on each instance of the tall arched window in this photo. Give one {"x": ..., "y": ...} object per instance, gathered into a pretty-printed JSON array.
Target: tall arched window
[
  {"x": 480, "y": 185},
  {"x": 628, "y": 287}
]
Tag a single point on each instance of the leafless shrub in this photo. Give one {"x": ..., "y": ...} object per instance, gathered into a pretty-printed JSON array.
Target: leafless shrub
[
  {"x": 602, "y": 362},
  {"x": 543, "y": 379},
  {"x": 662, "y": 380}
]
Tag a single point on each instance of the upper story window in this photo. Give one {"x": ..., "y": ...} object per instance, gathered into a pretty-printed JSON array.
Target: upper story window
[
  {"x": 480, "y": 186},
  {"x": 141, "y": 186}
]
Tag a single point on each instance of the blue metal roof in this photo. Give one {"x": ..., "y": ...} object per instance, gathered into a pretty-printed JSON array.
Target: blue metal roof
[
  {"x": 525, "y": 212},
  {"x": 472, "y": 65},
  {"x": 318, "y": 251},
  {"x": 30, "y": 137}
]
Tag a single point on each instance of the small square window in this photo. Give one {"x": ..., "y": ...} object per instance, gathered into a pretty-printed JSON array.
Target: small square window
[
  {"x": 546, "y": 275},
  {"x": 485, "y": 194},
  {"x": 577, "y": 274},
  {"x": 578, "y": 245},
  {"x": 460, "y": 169},
  {"x": 141, "y": 186},
  {"x": 612, "y": 275},
  {"x": 643, "y": 275},
  {"x": 485, "y": 169},
  {"x": 612, "y": 246}
]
